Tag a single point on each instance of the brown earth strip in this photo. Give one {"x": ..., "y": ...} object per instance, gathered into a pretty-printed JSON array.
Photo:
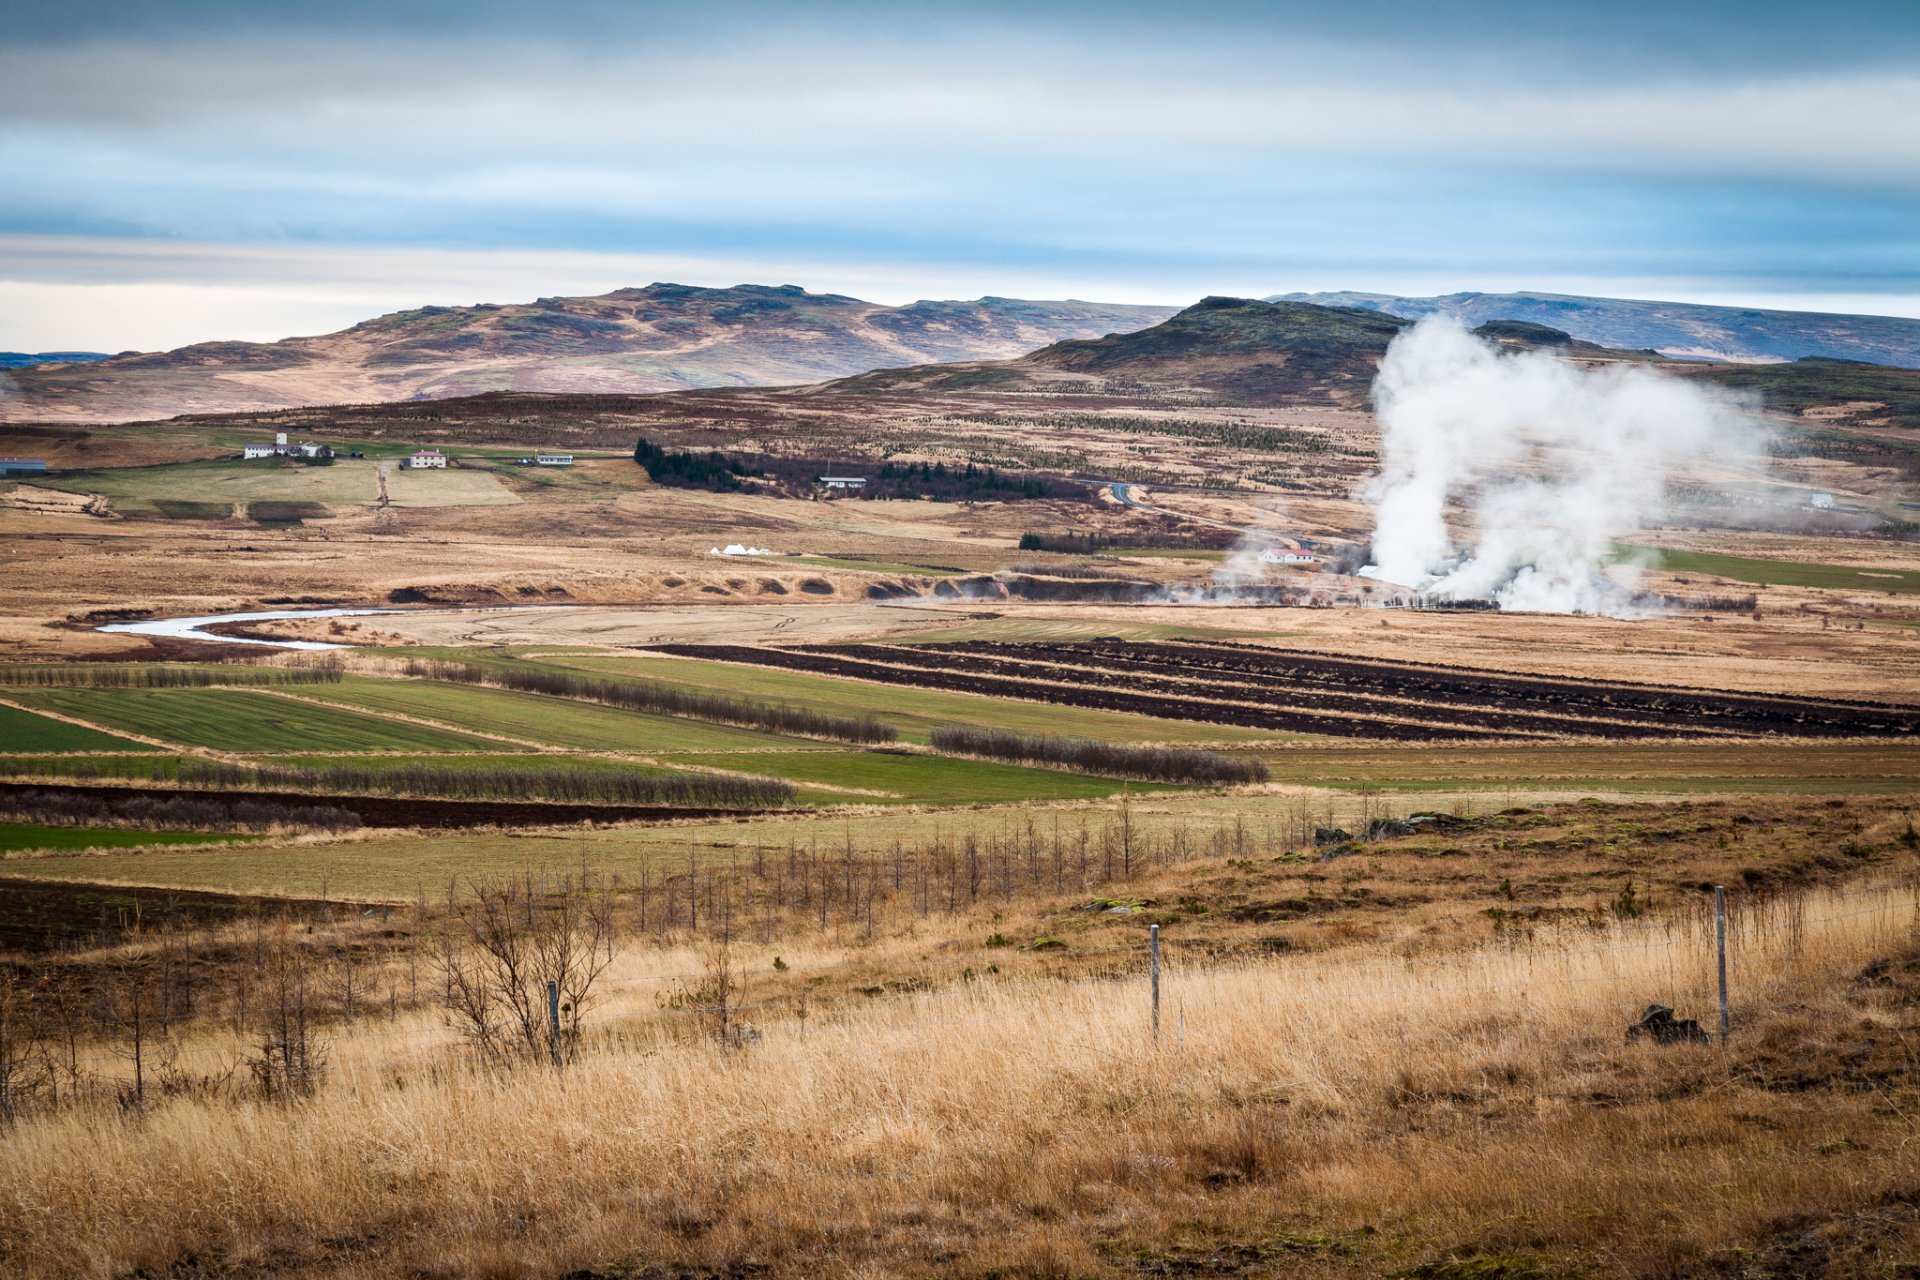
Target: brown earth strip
[{"x": 402, "y": 811}]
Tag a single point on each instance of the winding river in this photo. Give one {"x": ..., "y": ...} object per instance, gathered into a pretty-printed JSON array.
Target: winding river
[{"x": 194, "y": 628}]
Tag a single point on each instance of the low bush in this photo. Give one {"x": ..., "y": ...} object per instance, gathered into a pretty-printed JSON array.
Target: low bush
[
  {"x": 1153, "y": 764},
  {"x": 499, "y": 782}
]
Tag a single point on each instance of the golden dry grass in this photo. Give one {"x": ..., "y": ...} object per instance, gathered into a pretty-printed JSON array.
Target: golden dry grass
[{"x": 1355, "y": 1115}]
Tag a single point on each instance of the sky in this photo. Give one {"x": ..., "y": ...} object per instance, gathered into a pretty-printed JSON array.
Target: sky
[{"x": 174, "y": 171}]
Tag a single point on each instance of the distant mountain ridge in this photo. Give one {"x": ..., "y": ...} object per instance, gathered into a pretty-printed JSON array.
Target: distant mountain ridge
[
  {"x": 27, "y": 359},
  {"x": 1683, "y": 329},
  {"x": 664, "y": 337}
]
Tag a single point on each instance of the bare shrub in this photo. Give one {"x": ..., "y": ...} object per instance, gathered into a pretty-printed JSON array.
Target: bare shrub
[
  {"x": 288, "y": 1057},
  {"x": 26, "y": 1068},
  {"x": 504, "y": 944},
  {"x": 1154, "y": 764}
]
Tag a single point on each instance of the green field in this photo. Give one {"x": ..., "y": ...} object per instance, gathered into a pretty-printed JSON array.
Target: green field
[
  {"x": 1040, "y": 630},
  {"x": 557, "y": 722},
  {"x": 1877, "y": 767},
  {"x": 344, "y": 483},
  {"x": 17, "y": 837},
  {"x": 864, "y": 565},
  {"x": 243, "y": 720},
  {"x": 914, "y": 712},
  {"x": 396, "y": 869},
  {"x": 1781, "y": 573},
  {"x": 24, "y": 731},
  {"x": 157, "y": 767},
  {"x": 911, "y": 777}
]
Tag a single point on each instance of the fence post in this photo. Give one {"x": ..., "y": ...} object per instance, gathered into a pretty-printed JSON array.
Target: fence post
[
  {"x": 1153, "y": 972},
  {"x": 553, "y": 1018},
  {"x": 1720, "y": 949}
]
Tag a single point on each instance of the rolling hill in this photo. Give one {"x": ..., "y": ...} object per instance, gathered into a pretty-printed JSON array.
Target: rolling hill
[
  {"x": 664, "y": 337},
  {"x": 1251, "y": 352},
  {"x": 1681, "y": 329}
]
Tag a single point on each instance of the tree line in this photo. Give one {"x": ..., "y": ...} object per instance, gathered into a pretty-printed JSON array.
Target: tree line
[
  {"x": 135, "y": 675},
  {"x": 662, "y": 700},
  {"x": 1152, "y": 764},
  {"x": 195, "y": 813},
  {"x": 499, "y": 782}
]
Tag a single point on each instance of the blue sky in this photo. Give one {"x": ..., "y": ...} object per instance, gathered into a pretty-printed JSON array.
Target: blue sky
[{"x": 176, "y": 171}]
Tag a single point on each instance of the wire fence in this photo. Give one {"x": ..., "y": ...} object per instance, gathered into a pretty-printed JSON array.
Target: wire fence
[{"x": 1760, "y": 933}]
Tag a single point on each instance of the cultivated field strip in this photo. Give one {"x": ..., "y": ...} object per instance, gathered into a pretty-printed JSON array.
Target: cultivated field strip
[
  {"x": 1708, "y": 709},
  {"x": 1384, "y": 706},
  {"x": 1069, "y": 687},
  {"x": 1314, "y": 693}
]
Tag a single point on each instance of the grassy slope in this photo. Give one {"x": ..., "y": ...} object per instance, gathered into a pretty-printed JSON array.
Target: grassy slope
[
  {"x": 1786, "y": 573},
  {"x": 17, "y": 837},
  {"x": 24, "y": 731},
  {"x": 244, "y": 720},
  {"x": 913, "y": 711}
]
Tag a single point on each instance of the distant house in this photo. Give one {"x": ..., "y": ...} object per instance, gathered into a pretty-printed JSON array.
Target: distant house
[
  {"x": 1287, "y": 555},
  {"x": 22, "y": 467},
  {"x": 843, "y": 482},
  {"x": 260, "y": 451},
  {"x": 553, "y": 459},
  {"x": 315, "y": 452},
  {"x": 428, "y": 458}
]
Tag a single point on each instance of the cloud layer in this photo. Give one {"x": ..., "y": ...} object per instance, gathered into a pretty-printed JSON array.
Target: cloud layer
[{"x": 1234, "y": 147}]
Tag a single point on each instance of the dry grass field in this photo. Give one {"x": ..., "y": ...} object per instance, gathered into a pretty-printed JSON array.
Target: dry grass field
[
  {"x": 1426, "y": 1090},
  {"x": 889, "y": 1014}
]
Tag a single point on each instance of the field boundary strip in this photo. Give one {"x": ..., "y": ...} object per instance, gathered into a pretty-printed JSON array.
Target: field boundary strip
[{"x": 399, "y": 717}]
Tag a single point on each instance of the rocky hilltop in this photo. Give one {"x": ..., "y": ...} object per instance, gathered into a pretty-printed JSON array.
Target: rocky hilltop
[
  {"x": 1683, "y": 329},
  {"x": 664, "y": 337}
]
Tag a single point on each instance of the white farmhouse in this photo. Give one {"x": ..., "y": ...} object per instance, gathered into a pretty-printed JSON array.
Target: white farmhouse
[{"x": 428, "y": 458}]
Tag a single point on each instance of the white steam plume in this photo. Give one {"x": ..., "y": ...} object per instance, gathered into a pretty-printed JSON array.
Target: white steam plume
[{"x": 1554, "y": 460}]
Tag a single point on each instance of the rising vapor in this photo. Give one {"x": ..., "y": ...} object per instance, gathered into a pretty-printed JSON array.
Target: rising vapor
[{"x": 1551, "y": 459}]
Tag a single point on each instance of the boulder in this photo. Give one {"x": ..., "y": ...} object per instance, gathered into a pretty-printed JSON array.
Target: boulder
[{"x": 1659, "y": 1025}]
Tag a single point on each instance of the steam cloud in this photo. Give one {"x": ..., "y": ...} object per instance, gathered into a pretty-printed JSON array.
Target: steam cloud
[{"x": 1553, "y": 460}]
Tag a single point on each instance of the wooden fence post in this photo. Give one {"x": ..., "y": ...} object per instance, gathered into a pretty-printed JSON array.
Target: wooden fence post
[
  {"x": 1153, "y": 971},
  {"x": 1720, "y": 948}
]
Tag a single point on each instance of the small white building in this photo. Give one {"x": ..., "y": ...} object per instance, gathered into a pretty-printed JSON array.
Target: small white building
[
  {"x": 1821, "y": 501},
  {"x": 553, "y": 459},
  {"x": 843, "y": 482},
  {"x": 428, "y": 458},
  {"x": 269, "y": 451},
  {"x": 1287, "y": 555},
  {"x": 309, "y": 449}
]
